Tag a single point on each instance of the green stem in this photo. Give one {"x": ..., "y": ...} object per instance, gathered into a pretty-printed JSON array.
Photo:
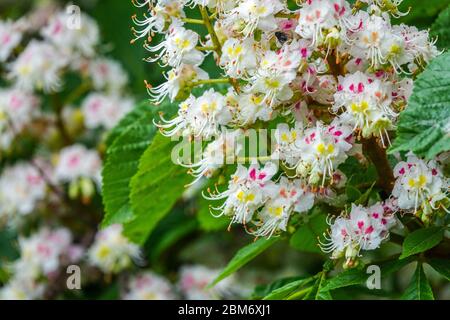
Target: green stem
[
  {"x": 211, "y": 31},
  {"x": 193, "y": 21},
  {"x": 286, "y": 15},
  {"x": 210, "y": 48},
  {"x": 215, "y": 40},
  {"x": 84, "y": 87},
  {"x": 300, "y": 294},
  {"x": 209, "y": 81}
]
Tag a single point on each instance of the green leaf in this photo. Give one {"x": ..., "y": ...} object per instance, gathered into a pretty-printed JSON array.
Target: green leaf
[
  {"x": 357, "y": 173},
  {"x": 155, "y": 188},
  {"x": 352, "y": 193},
  {"x": 390, "y": 267},
  {"x": 424, "y": 126},
  {"x": 126, "y": 144},
  {"x": 421, "y": 240},
  {"x": 207, "y": 221},
  {"x": 307, "y": 237},
  {"x": 8, "y": 252},
  {"x": 324, "y": 295},
  {"x": 441, "y": 266},
  {"x": 169, "y": 232},
  {"x": 441, "y": 29},
  {"x": 421, "y": 13},
  {"x": 352, "y": 277},
  {"x": 319, "y": 292},
  {"x": 288, "y": 289},
  {"x": 264, "y": 290},
  {"x": 419, "y": 288},
  {"x": 362, "y": 200},
  {"x": 127, "y": 121},
  {"x": 347, "y": 278},
  {"x": 244, "y": 256},
  {"x": 204, "y": 216}
]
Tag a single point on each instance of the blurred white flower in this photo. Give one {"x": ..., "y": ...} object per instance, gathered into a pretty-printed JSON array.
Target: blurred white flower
[
  {"x": 39, "y": 67},
  {"x": 72, "y": 41},
  {"x": 105, "y": 111},
  {"x": 20, "y": 289},
  {"x": 195, "y": 278},
  {"x": 21, "y": 189},
  {"x": 10, "y": 38},
  {"x": 107, "y": 74},
  {"x": 17, "y": 109},
  {"x": 76, "y": 162},
  {"x": 149, "y": 286},
  {"x": 112, "y": 252},
  {"x": 43, "y": 253}
]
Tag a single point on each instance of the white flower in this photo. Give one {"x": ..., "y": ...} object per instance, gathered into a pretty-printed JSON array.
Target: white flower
[
  {"x": 365, "y": 229},
  {"x": 323, "y": 89},
  {"x": 247, "y": 108},
  {"x": 379, "y": 43},
  {"x": 223, "y": 150},
  {"x": 107, "y": 75},
  {"x": 286, "y": 141},
  {"x": 201, "y": 117},
  {"x": 276, "y": 72},
  {"x": 177, "y": 79},
  {"x": 248, "y": 190},
  {"x": 195, "y": 278},
  {"x": 38, "y": 67},
  {"x": 179, "y": 47},
  {"x": 418, "y": 46},
  {"x": 367, "y": 104},
  {"x": 72, "y": 40},
  {"x": 257, "y": 14},
  {"x": 319, "y": 17},
  {"x": 148, "y": 286},
  {"x": 160, "y": 14},
  {"x": 111, "y": 251},
  {"x": 75, "y": 162},
  {"x": 288, "y": 197},
  {"x": 10, "y": 38},
  {"x": 104, "y": 110},
  {"x": 220, "y": 6},
  {"x": 322, "y": 150},
  {"x": 21, "y": 189},
  {"x": 239, "y": 57},
  {"x": 420, "y": 185},
  {"x": 273, "y": 85}
]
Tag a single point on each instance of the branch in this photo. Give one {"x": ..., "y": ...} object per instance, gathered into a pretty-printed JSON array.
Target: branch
[
  {"x": 58, "y": 108},
  {"x": 377, "y": 155}
]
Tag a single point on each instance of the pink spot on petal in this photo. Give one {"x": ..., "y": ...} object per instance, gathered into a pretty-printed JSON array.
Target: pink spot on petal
[
  {"x": 252, "y": 174},
  {"x": 369, "y": 230}
]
